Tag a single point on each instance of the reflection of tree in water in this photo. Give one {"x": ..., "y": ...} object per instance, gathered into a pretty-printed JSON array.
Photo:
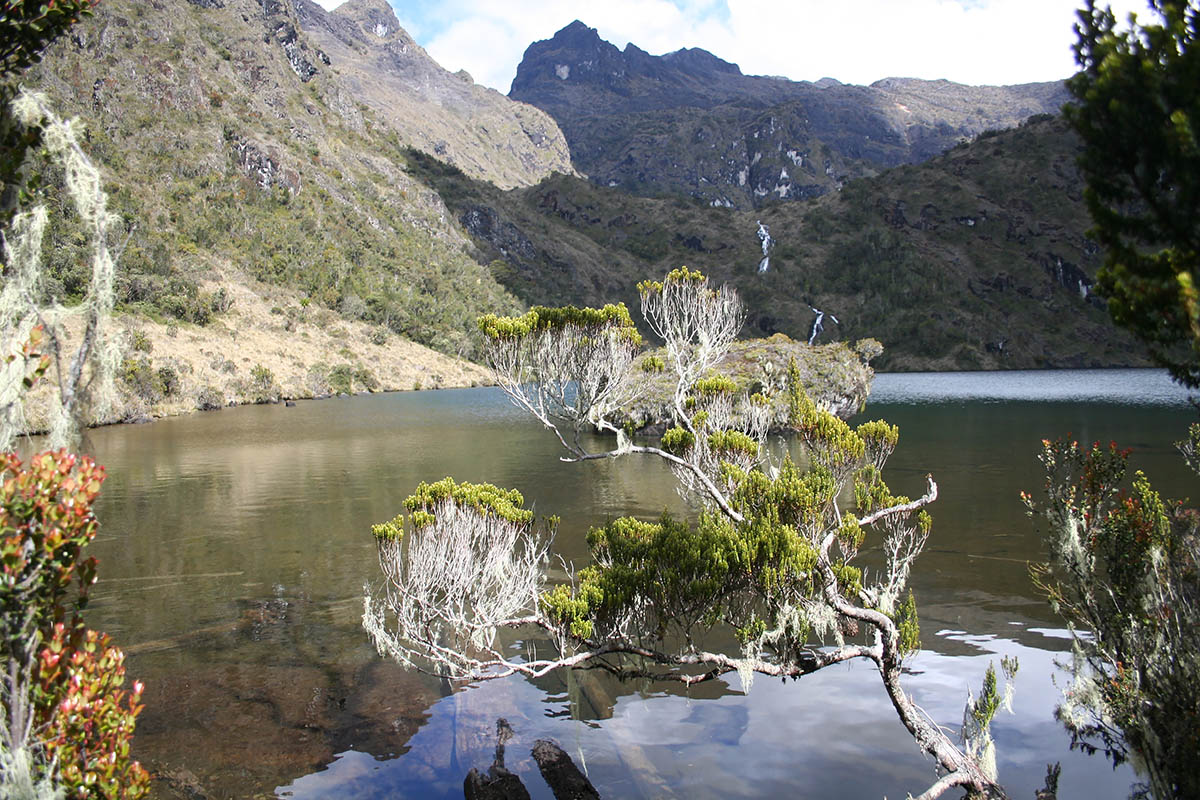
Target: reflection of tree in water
[
  {"x": 558, "y": 770},
  {"x": 243, "y": 707},
  {"x": 590, "y": 694}
]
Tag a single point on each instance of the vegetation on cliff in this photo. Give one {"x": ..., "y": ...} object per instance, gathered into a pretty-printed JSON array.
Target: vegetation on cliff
[{"x": 976, "y": 259}]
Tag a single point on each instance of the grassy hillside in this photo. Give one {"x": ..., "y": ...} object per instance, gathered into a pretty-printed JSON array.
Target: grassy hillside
[
  {"x": 231, "y": 147},
  {"x": 972, "y": 260}
]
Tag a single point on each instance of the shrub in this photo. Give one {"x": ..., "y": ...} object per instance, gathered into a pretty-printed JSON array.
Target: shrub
[
  {"x": 263, "y": 387},
  {"x": 219, "y": 301},
  {"x": 223, "y": 365},
  {"x": 141, "y": 380},
  {"x": 83, "y": 717},
  {"x": 168, "y": 380},
  {"x": 210, "y": 399},
  {"x": 89, "y": 718},
  {"x": 341, "y": 379},
  {"x": 366, "y": 379},
  {"x": 139, "y": 342},
  {"x": 317, "y": 380}
]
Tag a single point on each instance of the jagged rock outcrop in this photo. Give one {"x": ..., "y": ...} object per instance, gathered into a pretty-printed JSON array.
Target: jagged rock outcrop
[
  {"x": 445, "y": 114},
  {"x": 690, "y": 123}
]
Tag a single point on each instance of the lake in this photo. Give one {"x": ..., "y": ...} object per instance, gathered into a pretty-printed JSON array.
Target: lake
[{"x": 235, "y": 545}]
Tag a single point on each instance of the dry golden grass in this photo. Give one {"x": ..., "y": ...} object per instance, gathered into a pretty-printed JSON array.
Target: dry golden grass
[
  {"x": 290, "y": 346},
  {"x": 297, "y": 347}
]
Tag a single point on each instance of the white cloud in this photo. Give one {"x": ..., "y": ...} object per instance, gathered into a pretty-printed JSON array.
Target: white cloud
[
  {"x": 968, "y": 41},
  {"x": 330, "y": 5}
]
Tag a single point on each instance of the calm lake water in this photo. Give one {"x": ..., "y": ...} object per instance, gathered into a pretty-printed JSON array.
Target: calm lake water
[{"x": 235, "y": 546}]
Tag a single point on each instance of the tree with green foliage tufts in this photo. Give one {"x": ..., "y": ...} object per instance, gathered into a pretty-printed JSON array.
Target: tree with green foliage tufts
[{"x": 772, "y": 556}]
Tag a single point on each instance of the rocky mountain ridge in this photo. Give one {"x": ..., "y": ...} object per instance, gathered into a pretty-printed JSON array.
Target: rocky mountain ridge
[
  {"x": 446, "y": 115},
  {"x": 245, "y": 164},
  {"x": 691, "y": 123}
]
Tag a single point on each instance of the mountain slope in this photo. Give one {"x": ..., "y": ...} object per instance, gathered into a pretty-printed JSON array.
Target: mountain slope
[
  {"x": 975, "y": 259},
  {"x": 235, "y": 155},
  {"x": 690, "y": 123},
  {"x": 475, "y": 128}
]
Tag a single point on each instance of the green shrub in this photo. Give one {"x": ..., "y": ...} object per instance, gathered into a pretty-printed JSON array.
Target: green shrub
[
  {"x": 141, "y": 380},
  {"x": 168, "y": 380},
  {"x": 210, "y": 399},
  {"x": 341, "y": 379},
  {"x": 139, "y": 342},
  {"x": 365, "y": 378},
  {"x": 262, "y": 387}
]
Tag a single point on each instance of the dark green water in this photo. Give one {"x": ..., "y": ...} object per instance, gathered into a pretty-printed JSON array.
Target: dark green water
[{"x": 235, "y": 547}]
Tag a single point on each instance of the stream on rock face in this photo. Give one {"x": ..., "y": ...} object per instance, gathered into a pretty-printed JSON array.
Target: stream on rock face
[{"x": 235, "y": 544}]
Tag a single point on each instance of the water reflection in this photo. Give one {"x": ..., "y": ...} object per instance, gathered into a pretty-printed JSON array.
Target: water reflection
[
  {"x": 235, "y": 545},
  {"x": 1141, "y": 387},
  {"x": 777, "y": 740}
]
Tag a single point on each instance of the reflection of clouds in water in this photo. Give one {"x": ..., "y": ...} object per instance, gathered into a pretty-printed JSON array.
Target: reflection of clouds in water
[
  {"x": 1127, "y": 386},
  {"x": 831, "y": 734}
]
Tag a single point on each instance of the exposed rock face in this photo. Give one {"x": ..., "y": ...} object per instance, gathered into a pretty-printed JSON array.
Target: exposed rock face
[
  {"x": 510, "y": 242},
  {"x": 476, "y": 129},
  {"x": 264, "y": 167},
  {"x": 688, "y": 122},
  {"x": 285, "y": 35}
]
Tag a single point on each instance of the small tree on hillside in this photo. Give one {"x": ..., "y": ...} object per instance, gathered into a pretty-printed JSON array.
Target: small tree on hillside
[{"x": 772, "y": 556}]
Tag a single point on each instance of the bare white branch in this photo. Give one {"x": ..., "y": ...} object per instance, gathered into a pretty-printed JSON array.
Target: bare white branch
[{"x": 452, "y": 582}]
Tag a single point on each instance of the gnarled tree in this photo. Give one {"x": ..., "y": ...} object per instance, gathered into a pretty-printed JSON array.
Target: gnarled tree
[{"x": 772, "y": 555}]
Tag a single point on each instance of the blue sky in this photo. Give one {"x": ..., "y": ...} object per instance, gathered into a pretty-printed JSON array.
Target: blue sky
[{"x": 968, "y": 41}]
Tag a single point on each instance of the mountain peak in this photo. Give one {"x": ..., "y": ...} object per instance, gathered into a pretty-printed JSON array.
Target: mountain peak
[
  {"x": 577, "y": 31},
  {"x": 373, "y": 16}
]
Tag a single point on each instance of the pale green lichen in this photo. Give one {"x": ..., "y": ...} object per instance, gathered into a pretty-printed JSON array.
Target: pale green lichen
[{"x": 92, "y": 367}]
